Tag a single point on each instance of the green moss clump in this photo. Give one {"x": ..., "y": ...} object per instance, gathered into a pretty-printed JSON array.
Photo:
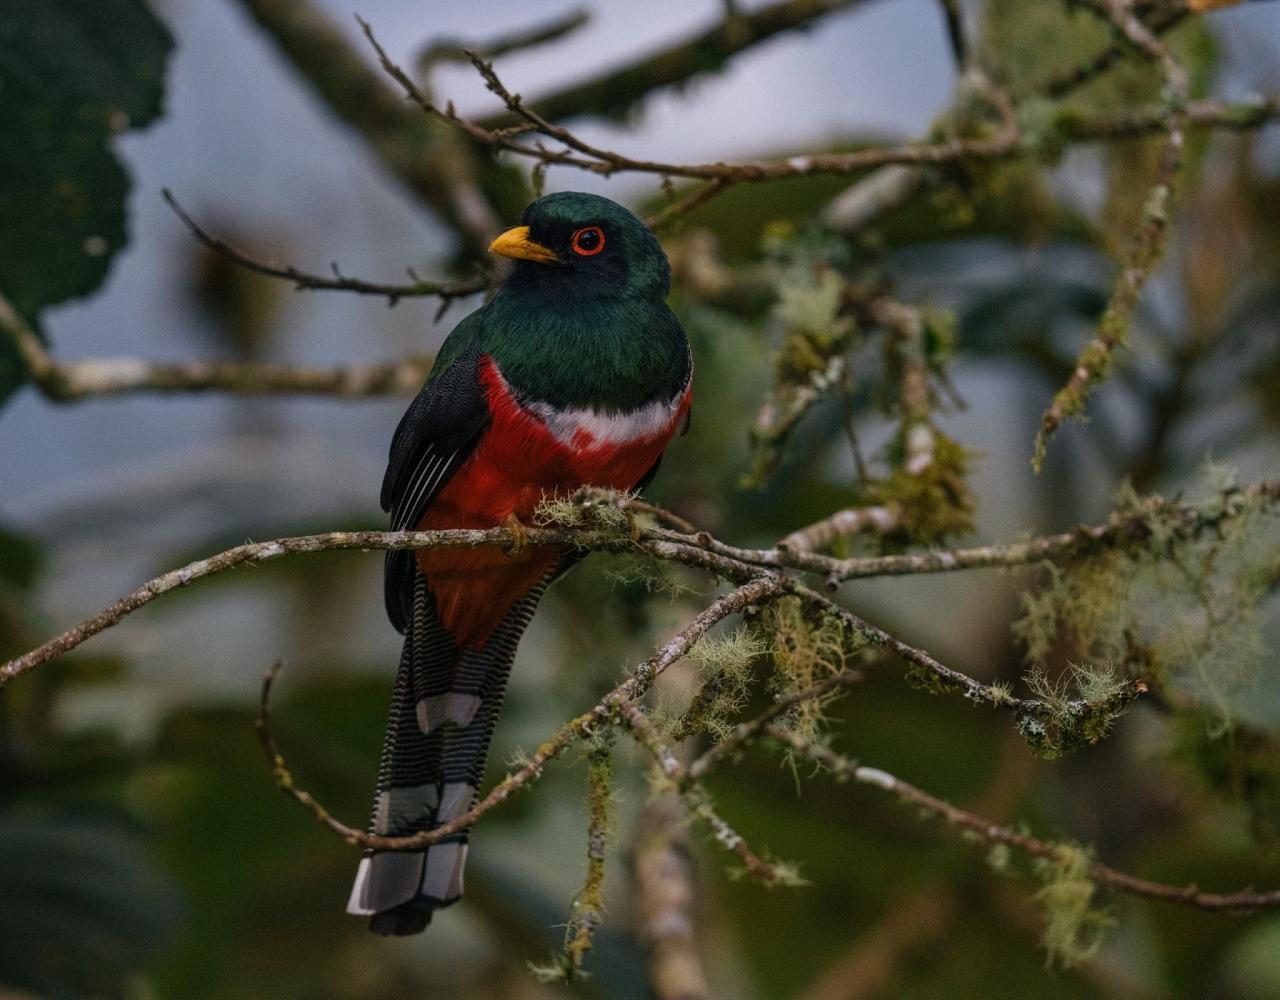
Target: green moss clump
[
  {"x": 1074, "y": 711},
  {"x": 935, "y": 499}
]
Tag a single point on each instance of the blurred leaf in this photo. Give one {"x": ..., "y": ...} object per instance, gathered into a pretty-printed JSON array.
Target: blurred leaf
[
  {"x": 19, "y": 560},
  {"x": 1018, "y": 316},
  {"x": 72, "y": 74},
  {"x": 83, "y": 907}
]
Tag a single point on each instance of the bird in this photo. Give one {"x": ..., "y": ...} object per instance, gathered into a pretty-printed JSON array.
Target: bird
[{"x": 575, "y": 373}]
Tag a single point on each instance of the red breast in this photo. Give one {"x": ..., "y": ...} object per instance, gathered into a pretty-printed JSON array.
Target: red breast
[{"x": 518, "y": 461}]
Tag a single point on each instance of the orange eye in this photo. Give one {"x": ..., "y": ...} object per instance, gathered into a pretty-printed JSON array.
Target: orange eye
[{"x": 588, "y": 242}]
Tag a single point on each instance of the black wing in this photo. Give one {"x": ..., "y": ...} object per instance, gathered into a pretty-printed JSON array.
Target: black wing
[{"x": 435, "y": 436}]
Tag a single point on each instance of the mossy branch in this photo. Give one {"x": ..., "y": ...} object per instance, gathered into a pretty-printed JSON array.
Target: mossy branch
[
  {"x": 1148, "y": 241},
  {"x": 586, "y": 912}
]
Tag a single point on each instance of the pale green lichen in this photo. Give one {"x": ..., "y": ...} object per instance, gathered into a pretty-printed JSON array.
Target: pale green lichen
[
  {"x": 807, "y": 647},
  {"x": 1074, "y": 927},
  {"x": 1179, "y": 604},
  {"x": 725, "y": 662},
  {"x": 638, "y": 569},
  {"x": 603, "y": 510},
  {"x": 1075, "y": 710}
]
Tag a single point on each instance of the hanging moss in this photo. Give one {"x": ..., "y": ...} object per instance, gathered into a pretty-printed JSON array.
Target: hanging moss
[
  {"x": 807, "y": 647},
  {"x": 1074, "y": 927},
  {"x": 1181, "y": 607},
  {"x": 725, "y": 662}
]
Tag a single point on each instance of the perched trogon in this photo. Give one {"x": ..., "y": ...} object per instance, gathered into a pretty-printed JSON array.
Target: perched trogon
[{"x": 575, "y": 373}]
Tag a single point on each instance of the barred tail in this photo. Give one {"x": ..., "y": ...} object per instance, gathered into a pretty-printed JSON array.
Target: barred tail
[{"x": 444, "y": 707}]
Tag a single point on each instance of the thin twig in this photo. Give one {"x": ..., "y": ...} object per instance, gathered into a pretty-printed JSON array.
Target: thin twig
[
  {"x": 693, "y": 200},
  {"x": 748, "y": 731},
  {"x": 1147, "y": 243},
  {"x": 696, "y": 798},
  {"x": 305, "y": 281},
  {"x": 620, "y": 88},
  {"x": 452, "y": 50},
  {"x": 579, "y": 153},
  {"x": 939, "y": 673},
  {"x": 280, "y": 774},
  {"x": 587, "y": 910},
  {"x": 1061, "y": 86},
  {"x": 843, "y": 768},
  {"x": 955, "y": 32}
]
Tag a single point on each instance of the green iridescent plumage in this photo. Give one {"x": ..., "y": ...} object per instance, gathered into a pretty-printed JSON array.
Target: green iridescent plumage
[{"x": 588, "y": 331}]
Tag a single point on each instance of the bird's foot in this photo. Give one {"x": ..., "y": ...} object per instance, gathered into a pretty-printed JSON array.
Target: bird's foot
[
  {"x": 519, "y": 536},
  {"x": 633, "y": 524}
]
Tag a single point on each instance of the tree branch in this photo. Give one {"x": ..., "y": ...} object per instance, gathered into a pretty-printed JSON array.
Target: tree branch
[
  {"x": 1176, "y": 520},
  {"x": 64, "y": 382},
  {"x": 1004, "y": 143},
  {"x": 695, "y": 797},
  {"x": 304, "y": 281},
  {"x": 589, "y": 723},
  {"x": 666, "y": 903},
  {"x": 618, "y": 90},
  {"x": 1147, "y": 243},
  {"x": 453, "y": 50},
  {"x": 844, "y": 769}
]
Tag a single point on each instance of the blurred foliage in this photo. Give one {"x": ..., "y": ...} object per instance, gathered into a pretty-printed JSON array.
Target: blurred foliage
[
  {"x": 72, "y": 75},
  {"x": 84, "y": 905}
]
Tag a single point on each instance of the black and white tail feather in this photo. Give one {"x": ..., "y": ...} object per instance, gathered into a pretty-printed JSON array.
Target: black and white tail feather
[{"x": 444, "y": 707}]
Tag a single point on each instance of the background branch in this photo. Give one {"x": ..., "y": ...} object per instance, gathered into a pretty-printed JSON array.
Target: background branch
[
  {"x": 65, "y": 382},
  {"x": 305, "y": 281},
  {"x": 616, "y": 92},
  {"x": 443, "y": 172}
]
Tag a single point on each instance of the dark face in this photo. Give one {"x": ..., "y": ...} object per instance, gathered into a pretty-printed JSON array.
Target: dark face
[{"x": 584, "y": 245}]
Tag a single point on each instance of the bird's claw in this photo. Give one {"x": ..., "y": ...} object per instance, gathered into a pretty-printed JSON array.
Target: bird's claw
[{"x": 519, "y": 536}]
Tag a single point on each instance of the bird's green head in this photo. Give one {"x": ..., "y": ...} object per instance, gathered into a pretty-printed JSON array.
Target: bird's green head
[{"x": 583, "y": 246}]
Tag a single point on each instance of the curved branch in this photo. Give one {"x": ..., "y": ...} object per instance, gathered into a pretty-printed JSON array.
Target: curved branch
[
  {"x": 619, "y": 89},
  {"x": 637, "y": 683}
]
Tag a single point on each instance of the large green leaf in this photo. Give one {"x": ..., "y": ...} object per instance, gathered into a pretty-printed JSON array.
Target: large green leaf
[{"x": 72, "y": 75}]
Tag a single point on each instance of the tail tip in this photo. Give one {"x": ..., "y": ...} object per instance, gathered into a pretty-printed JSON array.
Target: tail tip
[{"x": 400, "y": 922}]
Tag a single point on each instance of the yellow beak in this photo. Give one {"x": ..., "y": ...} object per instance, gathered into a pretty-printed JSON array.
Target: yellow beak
[{"x": 516, "y": 243}]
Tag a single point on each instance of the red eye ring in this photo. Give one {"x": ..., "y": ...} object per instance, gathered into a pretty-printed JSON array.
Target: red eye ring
[{"x": 588, "y": 241}]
